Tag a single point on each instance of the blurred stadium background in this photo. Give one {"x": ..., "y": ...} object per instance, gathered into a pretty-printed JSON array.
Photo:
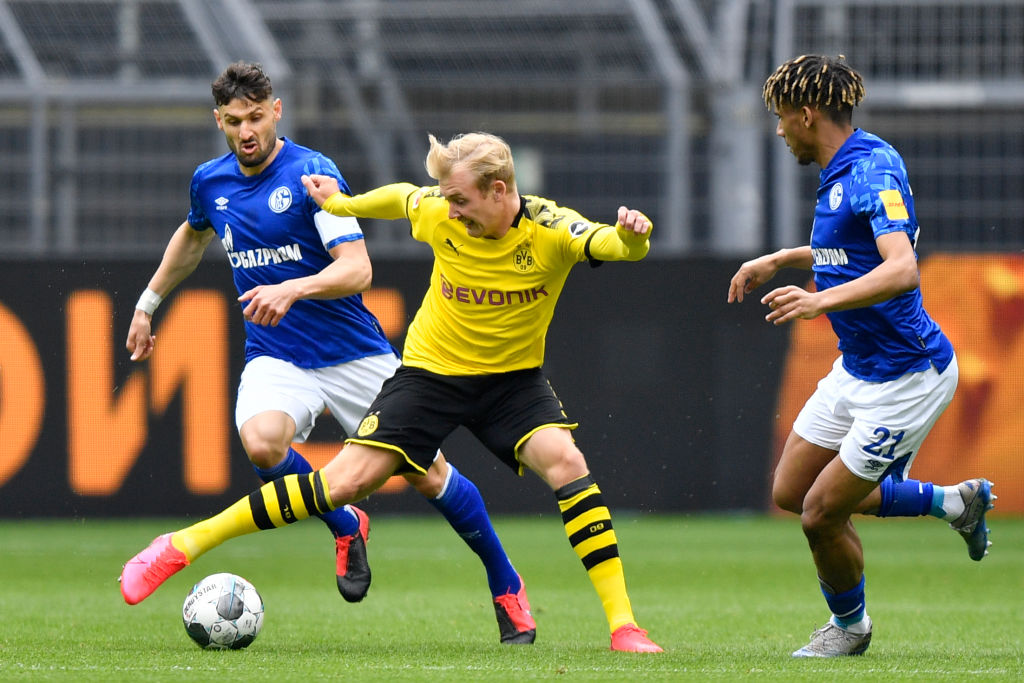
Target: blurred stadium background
[{"x": 106, "y": 110}]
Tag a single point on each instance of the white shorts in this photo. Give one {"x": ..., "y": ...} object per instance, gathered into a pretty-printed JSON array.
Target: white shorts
[
  {"x": 347, "y": 390},
  {"x": 877, "y": 427}
]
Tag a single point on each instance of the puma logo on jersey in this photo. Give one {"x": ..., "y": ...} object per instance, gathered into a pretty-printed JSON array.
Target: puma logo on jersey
[{"x": 448, "y": 241}]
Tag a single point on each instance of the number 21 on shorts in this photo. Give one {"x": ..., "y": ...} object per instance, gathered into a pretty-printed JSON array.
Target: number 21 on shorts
[{"x": 885, "y": 445}]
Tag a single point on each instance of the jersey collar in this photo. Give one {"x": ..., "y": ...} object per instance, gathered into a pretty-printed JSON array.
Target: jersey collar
[{"x": 519, "y": 214}]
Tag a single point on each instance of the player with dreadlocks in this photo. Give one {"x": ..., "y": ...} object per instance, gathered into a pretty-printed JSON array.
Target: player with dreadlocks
[{"x": 853, "y": 442}]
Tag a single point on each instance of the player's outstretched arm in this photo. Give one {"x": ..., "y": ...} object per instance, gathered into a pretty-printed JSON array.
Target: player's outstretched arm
[
  {"x": 756, "y": 272},
  {"x": 633, "y": 224},
  {"x": 630, "y": 241},
  {"x": 183, "y": 253},
  {"x": 350, "y": 273},
  {"x": 320, "y": 187},
  {"x": 895, "y": 275},
  {"x": 386, "y": 202}
]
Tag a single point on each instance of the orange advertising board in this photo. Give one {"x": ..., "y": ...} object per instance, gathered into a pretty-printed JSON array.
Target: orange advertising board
[{"x": 978, "y": 300}]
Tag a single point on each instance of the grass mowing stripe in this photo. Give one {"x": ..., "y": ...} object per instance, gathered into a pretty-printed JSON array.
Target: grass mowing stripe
[{"x": 727, "y": 597}]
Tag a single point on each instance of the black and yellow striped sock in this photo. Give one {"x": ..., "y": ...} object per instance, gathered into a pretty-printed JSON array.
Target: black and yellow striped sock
[
  {"x": 277, "y": 503},
  {"x": 588, "y": 525}
]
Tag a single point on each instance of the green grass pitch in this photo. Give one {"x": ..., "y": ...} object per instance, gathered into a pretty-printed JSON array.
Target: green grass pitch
[{"x": 728, "y": 597}]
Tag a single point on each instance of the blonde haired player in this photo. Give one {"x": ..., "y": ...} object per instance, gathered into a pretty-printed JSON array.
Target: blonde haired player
[
  {"x": 311, "y": 344},
  {"x": 472, "y": 357}
]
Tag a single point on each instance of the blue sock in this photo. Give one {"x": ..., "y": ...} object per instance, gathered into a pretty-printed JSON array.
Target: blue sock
[
  {"x": 847, "y": 608},
  {"x": 462, "y": 506},
  {"x": 341, "y": 522},
  {"x": 910, "y": 498}
]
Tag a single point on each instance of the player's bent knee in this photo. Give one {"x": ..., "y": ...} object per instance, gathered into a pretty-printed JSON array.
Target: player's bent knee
[
  {"x": 820, "y": 523},
  {"x": 263, "y": 454},
  {"x": 567, "y": 468},
  {"x": 357, "y": 471},
  {"x": 786, "y": 499},
  {"x": 552, "y": 455},
  {"x": 346, "y": 489},
  {"x": 428, "y": 485},
  {"x": 266, "y": 440}
]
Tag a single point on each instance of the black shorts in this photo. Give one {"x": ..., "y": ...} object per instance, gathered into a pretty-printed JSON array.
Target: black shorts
[{"x": 416, "y": 410}]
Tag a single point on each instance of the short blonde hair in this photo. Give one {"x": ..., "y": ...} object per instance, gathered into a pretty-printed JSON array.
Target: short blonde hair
[{"x": 487, "y": 156}]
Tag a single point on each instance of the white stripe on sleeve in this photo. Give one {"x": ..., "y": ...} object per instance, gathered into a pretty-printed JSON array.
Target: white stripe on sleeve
[{"x": 332, "y": 227}]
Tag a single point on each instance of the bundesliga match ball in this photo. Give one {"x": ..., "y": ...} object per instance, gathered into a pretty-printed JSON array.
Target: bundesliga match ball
[{"x": 223, "y": 612}]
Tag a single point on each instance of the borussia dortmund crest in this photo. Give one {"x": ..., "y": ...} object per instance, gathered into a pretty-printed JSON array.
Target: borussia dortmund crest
[
  {"x": 368, "y": 425},
  {"x": 522, "y": 258}
]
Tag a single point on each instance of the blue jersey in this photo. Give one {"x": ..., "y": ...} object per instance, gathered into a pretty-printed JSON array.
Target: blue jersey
[
  {"x": 272, "y": 231},
  {"x": 864, "y": 193}
]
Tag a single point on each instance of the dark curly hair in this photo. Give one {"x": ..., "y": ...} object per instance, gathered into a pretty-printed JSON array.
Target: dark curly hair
[{"x": 826, "y": 83}]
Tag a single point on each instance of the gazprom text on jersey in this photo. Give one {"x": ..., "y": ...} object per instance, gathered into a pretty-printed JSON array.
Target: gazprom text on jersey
[
  {"x": 253, "y": 258},
  {"x": 830, "y": 257}
]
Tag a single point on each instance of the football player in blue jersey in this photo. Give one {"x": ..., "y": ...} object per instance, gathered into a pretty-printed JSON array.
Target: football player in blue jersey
[
  {"x": 473, "y": 357},
  {"x": 311, "y": 344},
  {"x": 853, "y": 442}
]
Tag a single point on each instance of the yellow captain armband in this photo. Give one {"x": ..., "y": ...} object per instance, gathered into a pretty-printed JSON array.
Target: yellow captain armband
[{"x": 386, "y": 202}]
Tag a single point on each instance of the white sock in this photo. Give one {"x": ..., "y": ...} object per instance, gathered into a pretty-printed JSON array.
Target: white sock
[
  {"x": 860, "y": 627},
  {"x": 952, "y": 502}
]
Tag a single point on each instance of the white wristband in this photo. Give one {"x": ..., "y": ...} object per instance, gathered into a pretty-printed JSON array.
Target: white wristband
[{"x": 148, "y": 301}]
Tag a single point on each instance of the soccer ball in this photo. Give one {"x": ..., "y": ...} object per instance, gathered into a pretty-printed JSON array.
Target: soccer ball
[{"x": 223, "y": 612}]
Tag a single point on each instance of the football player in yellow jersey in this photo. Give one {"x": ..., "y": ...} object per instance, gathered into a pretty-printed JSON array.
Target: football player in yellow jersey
[{"x": 473, "y": 357}]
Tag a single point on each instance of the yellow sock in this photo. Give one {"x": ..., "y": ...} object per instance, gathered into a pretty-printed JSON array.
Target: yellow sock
[
  {"x": 588, "y": 524},
  {"x": 275, "y": 504}
]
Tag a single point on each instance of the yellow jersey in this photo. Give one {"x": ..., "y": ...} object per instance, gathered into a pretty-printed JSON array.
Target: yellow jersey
[{"x": 490, "y": 301}]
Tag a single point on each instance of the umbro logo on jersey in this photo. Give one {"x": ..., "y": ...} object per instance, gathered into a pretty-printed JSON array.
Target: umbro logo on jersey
[{"x": 221, "y": 202}]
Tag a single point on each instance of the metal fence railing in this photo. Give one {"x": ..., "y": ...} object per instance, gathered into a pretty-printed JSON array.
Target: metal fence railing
[
  {"x": 945, "y": 86},
  {"x": 106, "y": 108}
]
